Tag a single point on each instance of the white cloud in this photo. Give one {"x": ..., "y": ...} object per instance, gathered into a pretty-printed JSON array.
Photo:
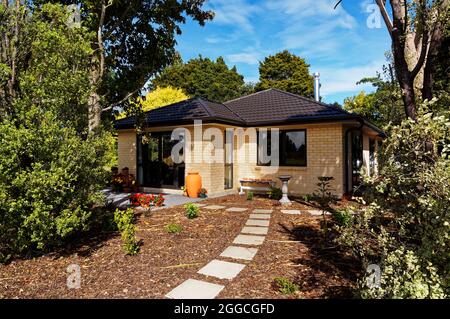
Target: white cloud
[
  {"x": 234, "y": 12},
  {"x": 245, "y": 57},
  {"x": 343, "y": 79}
]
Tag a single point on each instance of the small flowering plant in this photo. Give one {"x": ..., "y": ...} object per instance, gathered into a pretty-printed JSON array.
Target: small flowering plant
[
  {"x": 202, "y": 192},
  {"x": 146, "y": 200}
]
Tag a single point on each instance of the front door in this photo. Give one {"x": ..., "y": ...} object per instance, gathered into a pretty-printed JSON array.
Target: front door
[{"x": 155, "y": 162}]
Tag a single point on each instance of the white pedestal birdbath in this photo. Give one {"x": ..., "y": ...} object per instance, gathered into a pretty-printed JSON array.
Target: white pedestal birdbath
[{"x": 284, "y": 189}]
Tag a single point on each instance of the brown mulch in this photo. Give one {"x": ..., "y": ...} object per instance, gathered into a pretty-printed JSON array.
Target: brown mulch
[{"x": 292, "y": 249}]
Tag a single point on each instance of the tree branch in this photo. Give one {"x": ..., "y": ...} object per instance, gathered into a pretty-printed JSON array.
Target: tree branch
[
  {"x": 387, "y": 20},
  {"x": 130, "y": 94}
]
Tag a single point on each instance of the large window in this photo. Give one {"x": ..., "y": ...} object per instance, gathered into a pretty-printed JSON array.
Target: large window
[{"x": 292, "y": 146}]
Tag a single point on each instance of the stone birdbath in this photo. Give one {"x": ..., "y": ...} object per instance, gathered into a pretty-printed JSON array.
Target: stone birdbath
[{"x": 284, "y": 189}]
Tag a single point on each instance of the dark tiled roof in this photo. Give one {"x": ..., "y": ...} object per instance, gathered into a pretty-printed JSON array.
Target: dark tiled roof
[
  {"x": 185, "y": 112},
  {"x": 267, "y": 107},
  {"x": 276, "y": 106}
]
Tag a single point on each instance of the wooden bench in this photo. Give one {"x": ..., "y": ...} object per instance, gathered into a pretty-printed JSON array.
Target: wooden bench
[{"x": 267, "y": 184}]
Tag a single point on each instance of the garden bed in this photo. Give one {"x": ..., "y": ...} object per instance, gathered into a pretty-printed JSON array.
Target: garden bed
[{"x": 292, "y": 249}]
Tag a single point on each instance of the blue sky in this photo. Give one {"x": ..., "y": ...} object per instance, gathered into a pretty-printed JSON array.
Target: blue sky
[{"x": 339, "y": 44}]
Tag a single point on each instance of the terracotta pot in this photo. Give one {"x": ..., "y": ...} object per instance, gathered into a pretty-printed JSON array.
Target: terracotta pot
[{"x": 193, "y": 184}]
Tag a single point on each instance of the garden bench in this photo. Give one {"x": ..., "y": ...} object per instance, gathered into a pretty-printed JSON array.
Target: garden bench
[{"x": 266, "y": 185}]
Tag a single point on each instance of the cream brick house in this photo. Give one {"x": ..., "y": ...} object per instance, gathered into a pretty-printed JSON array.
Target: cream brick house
[{"x": 315, "y": 139}]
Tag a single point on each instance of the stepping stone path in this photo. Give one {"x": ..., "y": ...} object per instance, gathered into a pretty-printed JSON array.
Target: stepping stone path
[
  {"x": 316, "y": 212},
  {"x": 214, "y": 207},
  {"x": 291, "y": 211},
  {"x": 255, "y": 230},
  {"x": 236, "y": 209},
  {"x": 260, "y": 216},
  {"x": 221, "y": 269},
  {"x": 257, "y": 222},
  {"x": 238, "y": 252},
  {"x": 195, "y": 289},
  {"x": 257, "y": 226}
]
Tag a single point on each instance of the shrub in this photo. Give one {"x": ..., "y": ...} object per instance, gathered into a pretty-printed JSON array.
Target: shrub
[
  {"x": 285, "y": 286},
  {"x": 405, "y": 227},
  {"x": 124, "y": 221},
  {"x": 191, "y": 210},
  {"x": 173, "y": 228},
  {"x": 249, "y": 195},
  {"x": 342, "y": 217},
  {"x": 275, "y": 193}
]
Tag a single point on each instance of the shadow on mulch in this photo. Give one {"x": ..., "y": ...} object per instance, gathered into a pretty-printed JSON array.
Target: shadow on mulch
[{"x": 324, "y": 258}]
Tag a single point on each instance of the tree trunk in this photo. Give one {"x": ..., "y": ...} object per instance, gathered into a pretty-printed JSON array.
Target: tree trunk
[{"x": 95, "y": 112}]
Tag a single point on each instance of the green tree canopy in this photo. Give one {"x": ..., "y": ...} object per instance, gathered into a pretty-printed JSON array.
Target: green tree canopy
[
  {"x": 287, "y": 72},
  {"x": 204, "y": 77},
  {"x": 132, "y": 41}
]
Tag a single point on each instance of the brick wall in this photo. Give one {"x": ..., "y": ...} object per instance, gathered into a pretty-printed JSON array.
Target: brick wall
[{"x": 126, "y": 149}]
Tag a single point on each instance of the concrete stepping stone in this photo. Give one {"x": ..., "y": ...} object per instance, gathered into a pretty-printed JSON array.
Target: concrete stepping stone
[
  {"x": 260, "y": 216},
  {"x": 255, "y": 230},
  {"x": 200, "y": 205},
  {"x": 249, "y": 240},
  {"x": 291, "y": 211},
  {"x": 214, "y": 207},
  {"x": 195, "y": 289},
  {"x": 236, "y": 209},
  {"x": 221, "y": 269},
  {"x": 316, "y": 212},
  {"x": 239, "y": 252},
  {"x": 262, "y": 211},
  {"x": 257, "y": 222}
]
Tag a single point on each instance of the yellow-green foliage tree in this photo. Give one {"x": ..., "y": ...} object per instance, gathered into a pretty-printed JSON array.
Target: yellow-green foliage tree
[{"x": 160, "y": 96}]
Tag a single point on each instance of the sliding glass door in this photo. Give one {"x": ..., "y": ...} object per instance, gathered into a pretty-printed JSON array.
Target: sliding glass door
[{"x": 156, "y": 168}]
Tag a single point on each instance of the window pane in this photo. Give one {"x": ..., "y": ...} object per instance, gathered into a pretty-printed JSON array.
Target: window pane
[
  {"x": 228, "y": 176},
  {"x": 264, "y": 147},
  {"x": 294, "y": 148}
]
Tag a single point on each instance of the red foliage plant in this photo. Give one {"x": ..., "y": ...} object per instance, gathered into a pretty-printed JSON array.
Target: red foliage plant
[{"x": 146, "y": 200}]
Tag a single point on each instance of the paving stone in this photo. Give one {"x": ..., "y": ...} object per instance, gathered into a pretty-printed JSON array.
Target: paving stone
[
  {"x": 221, "y": 269},
  {"x": 262, "y": 211},
  {"x": 315, "y": 212},
  {"x": 236, "y": 209},
  {"x": 257, "y": 222},
  {"x": 255, "y": 230},
  {"x": 214, "y": 207},
  {"x": 239, "y": 252},
  {"x": 195, "y": 289},
  {"x": 249, "y": 240},
  {"x": 260, "y": 216},
  {"x": 291, "y": 211},
  {"x": 200, "y": 205}
]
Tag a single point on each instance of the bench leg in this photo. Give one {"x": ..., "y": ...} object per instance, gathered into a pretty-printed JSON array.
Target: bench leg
[{"x": 241, "y": 191}]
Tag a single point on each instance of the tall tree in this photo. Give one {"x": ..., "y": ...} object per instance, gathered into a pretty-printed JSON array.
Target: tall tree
[
  {"x": 204, "y": 77},
  {"x": 132, "y": 41},
  {"x": 287, "y": 72},
  {"x": 417, "y": 29}
]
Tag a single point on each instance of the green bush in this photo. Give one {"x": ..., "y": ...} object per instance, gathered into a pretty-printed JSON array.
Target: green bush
[
  {"x": 275, "y": 193},
  {"x": 191, "y": 210},
  {"x": 342, "y": 217},
  {"x": 173, "y": 228},
  {"x": 285, "y": 286},
  {"x": 124, "y": 221},
  {"x": 405, "y": 227},
  {"x": 249, "y": 195}
]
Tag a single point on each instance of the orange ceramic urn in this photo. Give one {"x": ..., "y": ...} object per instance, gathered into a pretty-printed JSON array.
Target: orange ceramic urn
[{"x": 193, "y": 184}]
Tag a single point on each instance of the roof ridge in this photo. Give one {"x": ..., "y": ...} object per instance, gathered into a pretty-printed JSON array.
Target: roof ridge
[
  {"x": 311, "y": 100},
  {"x": 206, "y": 108},
  {"x": 245, "y": 96},
  {"x": 164, "y": 106}
]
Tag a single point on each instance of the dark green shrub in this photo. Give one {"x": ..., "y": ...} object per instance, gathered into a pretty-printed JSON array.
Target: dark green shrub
[
  {"x": 124, "y": 221},
  {"x": 191, "y": 210},
  {"x": 173, "y": 228},
  {"x": 342, "y": 217},
  {"x": 275, "y": 193},
  {"x": 285, "y": 286},
  {"x": 249, "y": 195}
]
